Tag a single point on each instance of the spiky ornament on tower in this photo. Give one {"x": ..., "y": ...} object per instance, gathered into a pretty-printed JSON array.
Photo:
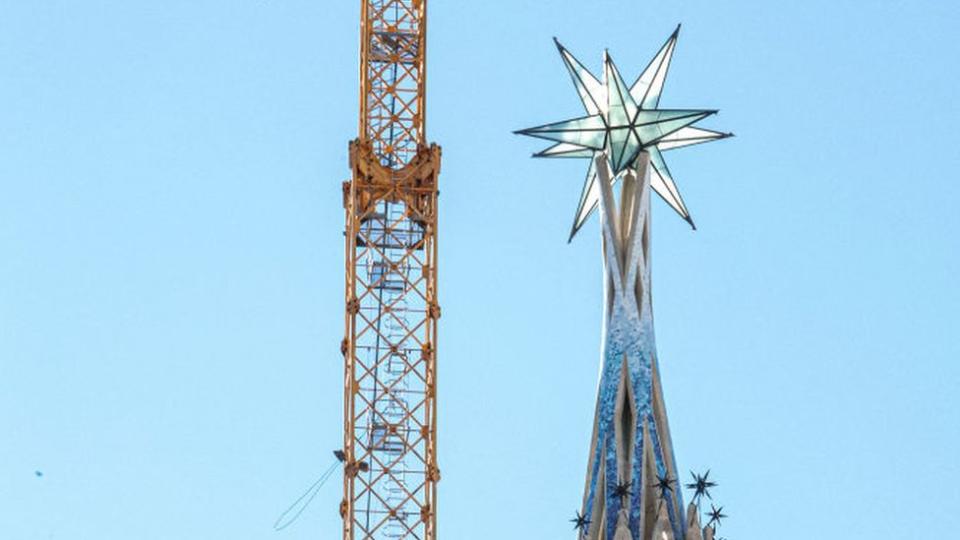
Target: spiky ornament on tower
[{"x": 623, "y": 136}]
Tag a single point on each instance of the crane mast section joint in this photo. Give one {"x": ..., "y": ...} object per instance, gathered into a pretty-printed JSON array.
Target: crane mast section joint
[{"x": 414, "y": 185}]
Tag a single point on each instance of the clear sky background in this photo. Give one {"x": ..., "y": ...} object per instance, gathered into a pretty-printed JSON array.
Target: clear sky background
[{"x": 171, "y": 264}]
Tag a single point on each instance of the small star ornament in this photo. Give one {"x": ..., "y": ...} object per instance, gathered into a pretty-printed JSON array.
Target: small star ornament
[
  {"x": 580, "y": 523},
  {"x": 716, "y": 514},
  {"x": 701, "y": 485},
  {"x": 623, "y": 490},
  {"x": 664, "y": 485},
  {"x": 621, "y": 122}
]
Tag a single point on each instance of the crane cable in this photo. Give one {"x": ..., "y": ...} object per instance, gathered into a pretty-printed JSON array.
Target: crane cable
[{"x": 301, "y": 504}]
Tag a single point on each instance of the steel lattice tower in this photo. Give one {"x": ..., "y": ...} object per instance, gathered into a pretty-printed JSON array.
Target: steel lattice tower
[{"x": 390, "y": 410}]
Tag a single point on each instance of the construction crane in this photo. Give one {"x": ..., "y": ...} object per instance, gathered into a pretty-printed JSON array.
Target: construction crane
[{"x": 390, "y": 407}]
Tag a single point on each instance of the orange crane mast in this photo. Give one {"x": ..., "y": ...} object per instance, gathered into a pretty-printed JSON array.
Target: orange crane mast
[{"x": 390, "y": 344}]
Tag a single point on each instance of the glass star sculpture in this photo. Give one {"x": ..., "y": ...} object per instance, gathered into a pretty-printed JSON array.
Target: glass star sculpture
[{"x": 622, "y": 121}]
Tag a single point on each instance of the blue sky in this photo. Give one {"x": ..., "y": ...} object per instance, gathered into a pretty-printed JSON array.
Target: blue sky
[{"x": 171, "y": 276}]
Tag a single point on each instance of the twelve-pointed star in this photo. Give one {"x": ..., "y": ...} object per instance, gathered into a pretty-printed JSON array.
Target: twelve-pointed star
[
  {"x": 701, "y": 485},
  {"x": 623, "y": 121},
  {"x": 716, "y": 514},
  {"x": 580, "y": 522}
]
